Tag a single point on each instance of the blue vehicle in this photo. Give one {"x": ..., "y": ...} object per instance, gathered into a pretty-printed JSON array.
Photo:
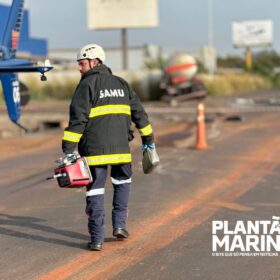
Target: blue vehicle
[{"x": 10, "y": 65}]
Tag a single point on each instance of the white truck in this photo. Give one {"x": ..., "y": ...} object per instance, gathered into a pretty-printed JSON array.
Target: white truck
[{"x": 180, "y": 81}]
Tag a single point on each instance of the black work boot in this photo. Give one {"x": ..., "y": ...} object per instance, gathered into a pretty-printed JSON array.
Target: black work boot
[
  {"x": 95, "y": 247},
  {"x": 120, "y": 233}
]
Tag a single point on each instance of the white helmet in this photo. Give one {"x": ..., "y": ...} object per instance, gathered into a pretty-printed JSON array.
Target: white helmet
[{"x": 91, "y": 51}]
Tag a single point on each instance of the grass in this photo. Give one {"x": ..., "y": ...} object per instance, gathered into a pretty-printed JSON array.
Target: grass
[
  {"x": 231, "y": 83},
  {"x": 61, "y": 85}
]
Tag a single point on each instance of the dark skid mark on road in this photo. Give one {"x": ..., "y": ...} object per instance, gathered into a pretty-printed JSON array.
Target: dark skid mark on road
[
  {"x": 167, "y": 140},
  {"x": 33, "y": 237},
  {"x": 34, "y": 223}
]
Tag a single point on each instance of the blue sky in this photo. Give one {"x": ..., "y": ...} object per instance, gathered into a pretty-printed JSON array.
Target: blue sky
[{"x": 183, "y": 24}]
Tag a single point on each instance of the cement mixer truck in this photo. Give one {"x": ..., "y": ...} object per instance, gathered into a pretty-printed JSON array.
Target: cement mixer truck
[{"x": 180, "y": 80}]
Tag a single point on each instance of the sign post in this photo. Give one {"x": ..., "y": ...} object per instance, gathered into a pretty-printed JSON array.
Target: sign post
[
  {"x": 124, "y": 48},
  {"x": 122, "y": 14},
  {"x": 248, "y": 57},
  {"x": 248, "y": 34}
]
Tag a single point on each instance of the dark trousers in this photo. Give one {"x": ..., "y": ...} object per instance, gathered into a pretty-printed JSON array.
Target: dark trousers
[{"x": 121, "y": 180}]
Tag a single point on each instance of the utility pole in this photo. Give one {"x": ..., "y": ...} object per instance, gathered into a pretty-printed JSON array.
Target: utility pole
[
  {"x": 248, "y": 58},
  {"x": 211, "y": 57},
  {"x": 124, "y": 48},
  {"x": 210, "y": 23}
]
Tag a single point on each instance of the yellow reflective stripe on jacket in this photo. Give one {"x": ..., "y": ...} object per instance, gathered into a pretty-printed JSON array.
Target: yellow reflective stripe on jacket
[
  {"x": 147, "y": 130},
  {"x": 71, "y": 136},
  {"x": 109, "y": 109},
  {"x": 108, "y": 159}
]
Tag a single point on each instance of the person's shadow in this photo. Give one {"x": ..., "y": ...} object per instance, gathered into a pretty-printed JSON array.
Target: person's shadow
[{"x": 36, "y": 223}]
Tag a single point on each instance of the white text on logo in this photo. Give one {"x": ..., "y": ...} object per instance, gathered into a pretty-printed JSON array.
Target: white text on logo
[{"x": 111, "y": 93}]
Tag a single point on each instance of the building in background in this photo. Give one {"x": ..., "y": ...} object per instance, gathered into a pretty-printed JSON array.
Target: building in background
[
  {"x": 28, "y": 47},
  {"x": 66, "y": 57}
]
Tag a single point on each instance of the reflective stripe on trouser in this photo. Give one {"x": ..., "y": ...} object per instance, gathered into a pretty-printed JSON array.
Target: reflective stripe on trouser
[
  {"x": 121, "y": 175},
  {"x": 95, "y": 204},
  {"x": 121, "y": 180}
]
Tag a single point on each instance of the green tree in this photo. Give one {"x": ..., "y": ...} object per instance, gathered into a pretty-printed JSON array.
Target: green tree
[
  {"x": 230, "y": 62},
  {"x": 265, "y": 62}
]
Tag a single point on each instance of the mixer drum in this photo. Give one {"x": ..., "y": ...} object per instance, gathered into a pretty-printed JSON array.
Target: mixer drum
[{"x": 181, "y": 68}]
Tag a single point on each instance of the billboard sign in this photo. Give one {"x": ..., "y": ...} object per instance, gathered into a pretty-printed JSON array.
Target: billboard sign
[
  {"x": 111, "y": 14},
  {"x": 252, "y": 33}
]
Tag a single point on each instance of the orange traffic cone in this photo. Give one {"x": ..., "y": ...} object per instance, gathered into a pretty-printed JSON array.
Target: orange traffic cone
[{"x": 201, "y": 132}]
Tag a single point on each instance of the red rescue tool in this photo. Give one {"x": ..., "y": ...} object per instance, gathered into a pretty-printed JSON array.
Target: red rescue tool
[{"x": 73, "y": 173}]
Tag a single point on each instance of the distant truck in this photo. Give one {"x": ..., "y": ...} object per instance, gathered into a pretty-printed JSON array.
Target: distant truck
[{"x": 180, "y": 80}]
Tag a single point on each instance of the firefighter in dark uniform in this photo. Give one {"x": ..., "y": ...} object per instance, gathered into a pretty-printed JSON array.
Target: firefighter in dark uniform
[{"x": 101, "y": 112}]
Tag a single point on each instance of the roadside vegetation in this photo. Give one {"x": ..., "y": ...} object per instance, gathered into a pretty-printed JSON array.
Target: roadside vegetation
[
  {"x": 231, "y": 78},
  {"x": 60, "y": 85},
  {"x": 225, "y": 84}
]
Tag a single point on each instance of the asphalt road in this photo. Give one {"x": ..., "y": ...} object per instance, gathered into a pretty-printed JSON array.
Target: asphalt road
[{"x": 43, "y": 229}]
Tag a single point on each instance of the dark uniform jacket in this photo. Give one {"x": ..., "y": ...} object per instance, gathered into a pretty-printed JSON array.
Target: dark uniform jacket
[{"x": 101, "y": 112}]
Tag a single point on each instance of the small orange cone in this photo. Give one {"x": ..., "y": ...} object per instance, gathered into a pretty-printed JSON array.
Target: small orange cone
[{"x": 201, "y": 131}]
